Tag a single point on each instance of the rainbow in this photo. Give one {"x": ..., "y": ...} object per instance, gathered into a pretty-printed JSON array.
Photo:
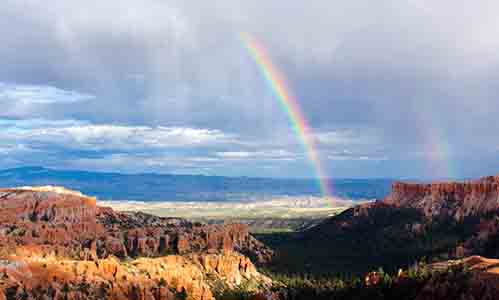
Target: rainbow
[
  {"x": 437, "y": 150},
  {"x": 290, "y": 105}
]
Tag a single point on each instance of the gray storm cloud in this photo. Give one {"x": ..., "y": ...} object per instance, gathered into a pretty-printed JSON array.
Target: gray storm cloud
[{"x": 390, "y": 88}]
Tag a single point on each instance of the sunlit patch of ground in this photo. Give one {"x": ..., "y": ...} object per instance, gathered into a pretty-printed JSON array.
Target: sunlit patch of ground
[
  {"x": 281, "y": 208},
  {"x": 276, "y": 215}
]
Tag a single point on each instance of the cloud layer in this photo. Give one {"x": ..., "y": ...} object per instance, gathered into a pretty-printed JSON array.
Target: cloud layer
[{"x": 399, "y": 89}]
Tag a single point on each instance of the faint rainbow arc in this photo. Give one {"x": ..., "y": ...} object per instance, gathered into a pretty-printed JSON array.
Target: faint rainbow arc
[{"x": 289, "y": 104}]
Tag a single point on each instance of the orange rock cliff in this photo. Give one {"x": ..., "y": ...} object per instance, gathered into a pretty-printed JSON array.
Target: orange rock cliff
[
  {"x": 456, "y": 199},
  {"x": 58, "y": 244}
]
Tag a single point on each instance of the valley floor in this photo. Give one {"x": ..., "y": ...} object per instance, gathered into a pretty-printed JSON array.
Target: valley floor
[{"x": 285, "y": 214}]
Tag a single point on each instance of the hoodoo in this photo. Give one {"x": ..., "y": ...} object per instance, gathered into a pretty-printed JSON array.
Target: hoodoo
[{"x": 57, "y": 240}]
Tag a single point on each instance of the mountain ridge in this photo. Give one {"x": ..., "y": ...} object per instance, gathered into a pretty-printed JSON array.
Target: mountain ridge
[{"x": 171, "y": 187}]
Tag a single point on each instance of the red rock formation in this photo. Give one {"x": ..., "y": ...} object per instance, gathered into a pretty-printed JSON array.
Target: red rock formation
[
  {"x": 138, "y": 234},
  {"x": 162, "y": 278},
  {"x": 58, "y": 244},
  {"x": 54, "y": 205},
  {"x": 455, "y": 199},
  {"x": 467, "y": 212},
  {"x": 54, "y": 219},
  {"x": 483, "y": 282}
]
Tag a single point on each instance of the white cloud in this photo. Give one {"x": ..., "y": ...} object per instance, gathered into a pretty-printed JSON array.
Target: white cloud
[
  {"x": 40, "y": 94},
  {"x": 349, "y": 157},
  {"x": 280, "y": 154},
  {"x": 234, "y": 154},
  {"x": 139, "y": 136},
  {"x": 347, "y": 137},
  {"x": 86, "y": 136},
  {"x": 150, "y": 162},
  {"x": 411, "y": 73}
]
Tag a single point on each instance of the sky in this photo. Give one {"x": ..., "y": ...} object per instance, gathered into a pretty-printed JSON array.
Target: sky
[{"x": 403, "y": 89}]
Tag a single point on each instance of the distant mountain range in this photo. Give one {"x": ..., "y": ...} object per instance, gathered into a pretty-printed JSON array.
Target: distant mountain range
[{"x": 157, "y": 187}]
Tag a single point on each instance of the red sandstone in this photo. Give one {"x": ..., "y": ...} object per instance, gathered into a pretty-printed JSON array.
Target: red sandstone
[{"x": 58, "y": 244}]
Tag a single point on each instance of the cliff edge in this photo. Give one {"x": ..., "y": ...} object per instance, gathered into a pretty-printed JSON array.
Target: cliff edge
[
  {"x": 59, "y": 244},
  {"x": 455, "y": 199}
]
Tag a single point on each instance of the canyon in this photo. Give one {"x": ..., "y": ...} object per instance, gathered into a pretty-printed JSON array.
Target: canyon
[{"x": 58, "y": 244}]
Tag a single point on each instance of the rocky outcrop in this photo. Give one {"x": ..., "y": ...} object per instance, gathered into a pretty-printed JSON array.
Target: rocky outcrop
[
  {"x": 138, "y": 234},
  {"x": 442, "y": 219},
  {"x": 454, "y": 199},
  {"x": 49, "y": 220},
  {"x": 58, "y": 244},
  {"x": 481, "y": 280},
  {"x": 55, "y": 205},
  {"x": 474, "y": 205},
  {"x": 441, "y": 199},
  {"x": 473, "y": 277},
  {"x": 166, "y": 278}
]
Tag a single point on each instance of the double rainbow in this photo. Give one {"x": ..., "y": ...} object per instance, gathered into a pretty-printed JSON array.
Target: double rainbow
[{"x": 291, "y": 106}]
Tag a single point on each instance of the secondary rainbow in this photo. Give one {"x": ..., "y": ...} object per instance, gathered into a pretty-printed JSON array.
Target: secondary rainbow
[{"x": 290, "y": 105}]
